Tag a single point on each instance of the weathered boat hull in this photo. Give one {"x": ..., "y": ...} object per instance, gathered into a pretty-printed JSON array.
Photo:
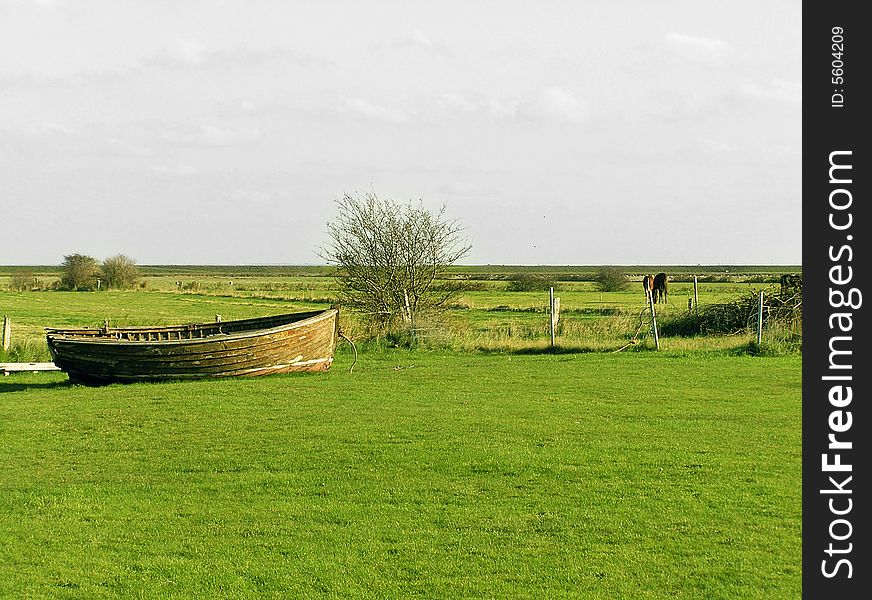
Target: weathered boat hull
[{"x": 250, "y": 347}]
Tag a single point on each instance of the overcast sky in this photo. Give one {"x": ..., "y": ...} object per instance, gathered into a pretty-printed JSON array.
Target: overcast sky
[{"x": 558, "y": 132}]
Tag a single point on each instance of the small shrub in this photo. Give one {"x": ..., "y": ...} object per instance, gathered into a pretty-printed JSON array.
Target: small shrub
[
  {"x": 529, "y": 283},
  {"x": 610, "y": 279},
  {"x": 119, "y": 272},
  {"x": 23, "y": 281}
]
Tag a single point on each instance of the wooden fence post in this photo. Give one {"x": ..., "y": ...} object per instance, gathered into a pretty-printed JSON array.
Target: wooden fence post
[
  {"x": 695, "y": 295},
  {"x": 653, "y": 320},
  {"x": 760, "y": 320},
  {"x": 551, "y": 313},
  {"x": 7, "y": 333}
]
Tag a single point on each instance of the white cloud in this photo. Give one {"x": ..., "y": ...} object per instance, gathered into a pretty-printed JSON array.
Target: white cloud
[
  {"x": 209, "y": 135},
  {"x": 547, "y": 104},
  {"x": 364, "y": 108},
  {"x": 179, "y": 170},
  {"x": 458, "y": 188},
  {"x": 778, "y": 90},
  {"x": 716, "y": 146},
  {"x": 554, "y": 104},
  {"x": 499, "y": 109},
  {"x": 248, "y": 198},
  {"x": 458, "y": 103},
  {"x": 185, "y": 53},
  {"x": 119, "y": 146},
  {"x": 39, "y": 3},
  {"x": 49, "y": 127},
  {"x": 463, "y": 104},
  {"x": 416, "y": 39},
  {"x": 699, "y": 48},
  {"x": 188, "y": 52}
]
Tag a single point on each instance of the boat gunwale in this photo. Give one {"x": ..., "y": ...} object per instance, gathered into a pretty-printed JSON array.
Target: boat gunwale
[{"x": 70, "y": 335}]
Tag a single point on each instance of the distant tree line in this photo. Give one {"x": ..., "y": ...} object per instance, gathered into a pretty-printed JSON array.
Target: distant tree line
[{"x": 80, "y": 272}]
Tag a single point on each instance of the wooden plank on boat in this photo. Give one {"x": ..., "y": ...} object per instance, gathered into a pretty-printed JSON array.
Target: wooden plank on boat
[{"x": 7, "y": 368}]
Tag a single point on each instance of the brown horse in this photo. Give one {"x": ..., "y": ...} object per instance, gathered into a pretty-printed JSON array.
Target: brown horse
[
  {"x": 648, "y": 285},
  {"x": 660, "y": 287}
]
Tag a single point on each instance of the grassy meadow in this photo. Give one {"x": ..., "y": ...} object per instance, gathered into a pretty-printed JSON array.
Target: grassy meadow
[
  {"x": 478, "y": 465},
  {"x": 485, "y": 316}
]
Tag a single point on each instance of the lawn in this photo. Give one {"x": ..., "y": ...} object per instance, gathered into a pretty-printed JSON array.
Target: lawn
[{"x": 428, "y": 474}]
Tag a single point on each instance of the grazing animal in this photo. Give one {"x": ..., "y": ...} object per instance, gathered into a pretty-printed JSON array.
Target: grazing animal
[
  {"x": 660, "y": 287},
  {"x": 648, "y": 285},
  {"x": 790, "y": 282}
]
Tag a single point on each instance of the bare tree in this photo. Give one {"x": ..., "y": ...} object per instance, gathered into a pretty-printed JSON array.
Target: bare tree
[
  {"x": 389, "y": 256},
  {"x": 120, "y": 272},
  {"x": 23, "y": 281}
]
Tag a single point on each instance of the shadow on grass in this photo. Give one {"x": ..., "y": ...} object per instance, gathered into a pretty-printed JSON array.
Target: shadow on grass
[
  {"x": 536, "y": 351},
  {"x": 551, "y": 350},
  {"x": 20, "y": 386}
]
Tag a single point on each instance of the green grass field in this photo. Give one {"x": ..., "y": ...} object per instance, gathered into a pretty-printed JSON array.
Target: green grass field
[
  {"x": 481, "y": 465},
  {"x": 427, "y": 474},
  {"x": 485, "y": 317}
]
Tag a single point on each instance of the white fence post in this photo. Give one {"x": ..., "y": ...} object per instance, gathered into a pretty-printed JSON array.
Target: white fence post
[
  {"x": 551, "y": 313},
  {"x": 653, "y": 320},
  {"x": 7, "y": 333},
  {"x": 760, "y": 320}
]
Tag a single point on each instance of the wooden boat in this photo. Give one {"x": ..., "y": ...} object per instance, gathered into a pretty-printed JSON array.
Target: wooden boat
[{"x": 279, "y": 344}]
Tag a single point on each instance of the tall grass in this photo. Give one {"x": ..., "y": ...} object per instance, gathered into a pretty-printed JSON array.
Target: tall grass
[
  {"x": 28, "y": 349},
  {"x": 782, "y": 323}
]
